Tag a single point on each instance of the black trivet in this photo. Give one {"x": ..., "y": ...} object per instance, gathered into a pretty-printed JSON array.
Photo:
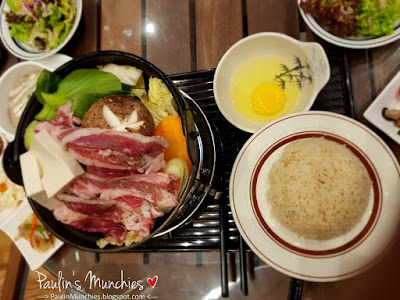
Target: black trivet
[{"x": 203, "y": 233}]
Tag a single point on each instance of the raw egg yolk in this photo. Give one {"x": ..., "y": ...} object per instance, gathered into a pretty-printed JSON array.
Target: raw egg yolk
[{"x": 268, "y": 99}]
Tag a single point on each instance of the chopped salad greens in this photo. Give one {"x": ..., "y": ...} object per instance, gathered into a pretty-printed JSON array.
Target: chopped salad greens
[
  {"x": 42, "y": 24},
  {"x": 374, "y": 20},
  {"x": 371, "y": 18}
]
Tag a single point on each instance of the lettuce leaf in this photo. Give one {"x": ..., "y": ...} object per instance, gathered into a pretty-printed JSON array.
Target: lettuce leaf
[
  {"x": 13, "y": 5},
  {"x": 21, "y": 31},
  {"x": 375, "y": 20}
]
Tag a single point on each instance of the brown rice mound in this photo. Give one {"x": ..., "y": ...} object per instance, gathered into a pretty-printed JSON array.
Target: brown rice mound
[{"x": 318, "y": 189}]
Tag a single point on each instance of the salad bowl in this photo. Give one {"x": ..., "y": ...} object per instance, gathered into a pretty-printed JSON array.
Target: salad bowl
[
  {"x": 359, "y": 42},
  {"x": 199, "y": 136},
  {"x": 25, "y": 50}
]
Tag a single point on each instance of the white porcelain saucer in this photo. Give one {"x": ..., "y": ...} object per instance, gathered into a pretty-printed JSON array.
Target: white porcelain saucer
[{"x": 312, "y": 260}]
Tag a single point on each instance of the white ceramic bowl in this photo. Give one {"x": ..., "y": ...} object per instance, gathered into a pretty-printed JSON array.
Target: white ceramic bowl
[
  {"x": 29, "y": 53},
  {"x": 349, "y": 42},
  {"x": 11, "y": 77},
  {"x": 269, "y": 44}
]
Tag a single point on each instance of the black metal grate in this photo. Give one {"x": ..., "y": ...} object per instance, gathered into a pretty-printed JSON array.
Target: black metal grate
[{"x": 203, "y": 233}]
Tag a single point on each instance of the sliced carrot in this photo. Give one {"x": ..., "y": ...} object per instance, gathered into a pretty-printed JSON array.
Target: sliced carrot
[
  {"x": 34, "y": 223},
  {"x": 3, "y": 187},
  {"x": 171, "y": 129}
]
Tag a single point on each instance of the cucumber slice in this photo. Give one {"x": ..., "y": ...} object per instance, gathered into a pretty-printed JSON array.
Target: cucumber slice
[{"x": 29, "y": 132}]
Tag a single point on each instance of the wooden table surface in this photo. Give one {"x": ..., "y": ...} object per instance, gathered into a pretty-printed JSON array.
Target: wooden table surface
[{"x": 188, "y": 35}]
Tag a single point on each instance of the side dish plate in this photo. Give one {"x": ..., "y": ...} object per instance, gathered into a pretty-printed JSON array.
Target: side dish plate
[
  {"x": 34, "y": 258},
  {"x": 312, "y": 260},
  {"x": 389, "y": 98}
]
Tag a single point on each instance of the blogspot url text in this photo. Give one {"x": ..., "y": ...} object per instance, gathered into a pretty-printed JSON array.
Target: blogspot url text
[{"x": 99, "y": 297}]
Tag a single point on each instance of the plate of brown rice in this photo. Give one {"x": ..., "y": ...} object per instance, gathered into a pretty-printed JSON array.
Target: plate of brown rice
[{"x": 309, "y": 193}]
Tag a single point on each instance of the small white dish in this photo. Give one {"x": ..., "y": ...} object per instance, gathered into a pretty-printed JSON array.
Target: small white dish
[
  {"x": 33, "y": 257},
  {"x": 8, "y": 212},
  {"x": 313, "y": 260},
  {"x": 11, "y": 77},
  {"x": 349, "y": 42},
  {"x": 268, "y": 44},
  {"x": 387, "y": 98},
  {"x": 25, "y": 52}
]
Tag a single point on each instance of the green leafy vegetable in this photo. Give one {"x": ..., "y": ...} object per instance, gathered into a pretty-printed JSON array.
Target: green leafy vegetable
[
  {"x": 83, "y": 87},
  {"x": 372, "y": 18},
  {"x": 47, "y": 83},
  {"x": 21, "y": 31},
  {"x": 160, "y": 103},
  {"x": 82, "y": 103},
  {"x": 127, "y": 88},
  {"x": 12, "y": 4},
  {"x": 375, "y": 20},
  {"x": 47, "y": 113},
  {"x": 81, "y": 82}
]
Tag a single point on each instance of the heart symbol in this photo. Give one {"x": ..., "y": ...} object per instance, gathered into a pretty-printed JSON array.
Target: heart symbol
[{"x": 153, "y": 281}]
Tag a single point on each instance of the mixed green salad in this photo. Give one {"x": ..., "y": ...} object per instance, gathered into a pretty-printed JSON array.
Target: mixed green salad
[
  {"x": 352, "y": 18},
  {"x": 42, "y": 24}
]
